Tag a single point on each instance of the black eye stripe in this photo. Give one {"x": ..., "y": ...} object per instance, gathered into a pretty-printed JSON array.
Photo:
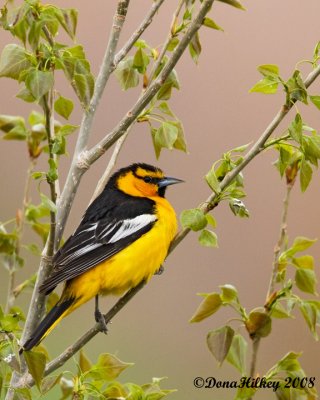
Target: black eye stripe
[{"x": 149, "y": 179}]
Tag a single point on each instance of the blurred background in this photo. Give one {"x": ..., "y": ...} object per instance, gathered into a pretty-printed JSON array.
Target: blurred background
[{"x": 218, "y": 114}]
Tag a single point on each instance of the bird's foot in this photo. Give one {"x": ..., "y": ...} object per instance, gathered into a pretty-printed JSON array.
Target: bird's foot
[
  {"x": 159, "y": 271},
  {"x": 100, "y": 319}
]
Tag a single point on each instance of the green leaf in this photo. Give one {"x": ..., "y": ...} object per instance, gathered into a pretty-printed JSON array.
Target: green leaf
[
  {"x": 237, "y": 353},
  {"x": 300, "y": 243},
  {"x": 238, "y": 208},
  {"x": 68, "y": 19},
  {"x": 39, "y": 82},
  {"x": 141, "y": 61},
  {"x": 295, "y": 128},
  {"x": 229, "y": 293},
  {"x": 306, "y": 280},
  {"x": 63, "y": 107},
  {"x": 296, "y": 88},
  {"x": 219, "y": 342},
  {"x": 305, "y": 174},
  {"x": 267, "y": 85},
  {"x": 52, "y": 174},
  {"x": 17, "y": 133},
  {"x": 166, "y": 89},
  {"x": 36, "y": 362},
  {"x": 258, "y": 324},
  {"x": 25, "y": 95},
  {"x": 211, "y": 304},
  {"x": 194, "y": 219},
  {"x": 108, "y": 367},
  {"x": 311, "y": 314},
  {"x": 211, "y": 220},
  {"x": 9, "y": 122},
  {"x": 209, "y": 23},
  {"x": 166, "y": 135},
  {"x": 278, "y": 311},
  {"x": 84, "y": 87},
  {"x": 127, "y": 76},
  {"x": 269, "y": 70},
  {"x": 208, "y": 238},
  {"x": 195, "y": 47},
  {"x": 180, "y": 143},
  {"x": 13, "y": 61},
  {"x": 213, "y": 181},
  {"x": 304, "y": 262},
  {"x": 48, "y": 203},
  {"x": 233, "y": 3},
  {"x": 173, "y": 44},
  {"x": 316, "y": 101},
  {"x": 48, "y": 383},
  {"x": 84, "y": 363}
]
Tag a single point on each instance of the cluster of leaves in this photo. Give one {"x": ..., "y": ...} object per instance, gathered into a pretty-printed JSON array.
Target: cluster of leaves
[
  {"x": 196, "y": 219},
  {"x": 34, "y": 63},
  {"x": 166, "y": 129},
  {"x": 225, "y": 344},
  {"x": 299, "y": 151},
  {"x": 97, "y": 380}
]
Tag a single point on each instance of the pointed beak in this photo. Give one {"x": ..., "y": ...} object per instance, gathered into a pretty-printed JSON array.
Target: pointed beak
[{"x": 166, "y": 181}]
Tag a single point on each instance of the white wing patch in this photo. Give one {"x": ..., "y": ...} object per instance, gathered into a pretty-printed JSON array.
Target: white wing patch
[{"x": 130, "y": 226}]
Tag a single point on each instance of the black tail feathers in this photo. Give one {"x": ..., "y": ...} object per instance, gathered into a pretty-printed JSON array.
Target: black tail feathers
[{"x": 51, "y": 318}]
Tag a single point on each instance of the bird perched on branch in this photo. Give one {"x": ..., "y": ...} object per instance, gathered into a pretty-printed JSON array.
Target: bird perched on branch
[{"x": 122, "y": 240}]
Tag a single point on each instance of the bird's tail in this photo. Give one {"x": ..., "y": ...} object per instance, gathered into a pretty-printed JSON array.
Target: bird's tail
[{"x": 55, "y": 315}]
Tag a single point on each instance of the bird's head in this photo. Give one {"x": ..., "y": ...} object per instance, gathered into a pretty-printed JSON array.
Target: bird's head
[{"x": 142, "y": 180}]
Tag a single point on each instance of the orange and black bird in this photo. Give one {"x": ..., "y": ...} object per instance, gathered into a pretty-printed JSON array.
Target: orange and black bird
[{"x": 122, "y": 240}]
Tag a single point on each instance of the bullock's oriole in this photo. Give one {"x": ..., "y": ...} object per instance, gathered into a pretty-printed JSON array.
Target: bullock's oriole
[{"x": 123, "y": 239}]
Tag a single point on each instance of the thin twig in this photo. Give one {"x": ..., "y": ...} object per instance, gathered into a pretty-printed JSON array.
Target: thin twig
[
  {"x": 255, "y": 348},
  {"x": 113, "y": 159},
  {"x": 20, "y": 220},
  {"x": 281, "y": 241},
  {"x": 138, "y": 32},
  {"x": 166, "y": 43}
]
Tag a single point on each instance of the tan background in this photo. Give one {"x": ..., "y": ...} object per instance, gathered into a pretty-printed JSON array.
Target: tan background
[{"x": 218, "y": 114}]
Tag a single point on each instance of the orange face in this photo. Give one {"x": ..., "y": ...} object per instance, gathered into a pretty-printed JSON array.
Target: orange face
[{"x": 142, "y": 183}]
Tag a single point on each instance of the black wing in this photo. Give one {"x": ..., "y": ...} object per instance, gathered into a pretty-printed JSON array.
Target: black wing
[{"x": 96, "y": 241}]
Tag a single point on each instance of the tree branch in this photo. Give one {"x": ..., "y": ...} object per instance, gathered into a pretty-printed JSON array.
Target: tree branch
[
  {"x": 113, "y": 159},
  {"x": 257, "y": 148},
  {"x": 106, "y": 69},
  {"x": 136, "y": 35},
  {"x": 165, "y": 46}
]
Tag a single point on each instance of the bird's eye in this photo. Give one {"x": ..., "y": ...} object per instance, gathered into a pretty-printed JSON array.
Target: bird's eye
[{"x": 147, "y": 179}]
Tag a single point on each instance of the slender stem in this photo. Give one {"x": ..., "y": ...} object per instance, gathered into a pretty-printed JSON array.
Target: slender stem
[
  {"x": 69, "y": 191},
  {"x": 166, "y": 43},
  {"x": 279, "y": 246},
  {"x": 281, "y": 241},
  {"x": 137, "y": 34},
  {"x": 20, "y": 219},
  {"x": 47, "y": 109},
  {"x": 255, "y": 348},
  {"x": 113, "y": 159}
]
